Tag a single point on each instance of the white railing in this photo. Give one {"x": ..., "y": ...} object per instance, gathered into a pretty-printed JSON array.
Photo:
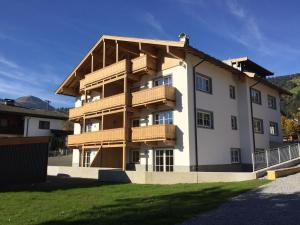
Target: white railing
[{"x": 273, "y": 156}]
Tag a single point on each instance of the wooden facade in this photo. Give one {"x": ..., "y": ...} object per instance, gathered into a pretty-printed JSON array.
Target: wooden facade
[{"x": 112, "y": 68}]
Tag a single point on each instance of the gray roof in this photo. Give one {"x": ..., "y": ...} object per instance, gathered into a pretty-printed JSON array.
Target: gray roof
[{"x": 32, "y": 112}]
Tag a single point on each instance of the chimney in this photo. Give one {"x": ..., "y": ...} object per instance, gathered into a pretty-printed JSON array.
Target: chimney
[
  {"x": 9, "y": 102},
  {"x": 183, "y": 37}
]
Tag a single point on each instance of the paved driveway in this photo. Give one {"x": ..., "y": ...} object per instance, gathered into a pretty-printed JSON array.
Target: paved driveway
[{"x": 277, "y": 203}]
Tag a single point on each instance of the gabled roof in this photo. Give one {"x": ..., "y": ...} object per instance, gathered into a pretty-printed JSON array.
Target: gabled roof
[
  {"x": 120, "y": 38},
  {"x": 32, "y": 112}
]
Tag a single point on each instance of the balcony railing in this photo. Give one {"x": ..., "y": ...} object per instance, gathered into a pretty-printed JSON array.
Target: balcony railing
[
  {"x": 110, "y": 135},
  {"x": 159, "y": 132},
  {"x": 111, "y": 102},
  {"x": 154, "y": 95},
  {"x": 142, "y": 64},
  {"x": 105, "y": 73}
]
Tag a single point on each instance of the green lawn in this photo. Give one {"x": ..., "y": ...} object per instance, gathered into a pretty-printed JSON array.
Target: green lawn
[{"x": 66, "y": 203}]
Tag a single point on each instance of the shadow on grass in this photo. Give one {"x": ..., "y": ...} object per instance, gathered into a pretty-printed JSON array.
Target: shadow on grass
[
  {"x": 53, "y": 184},
  {"x": 163, "y": 209}
]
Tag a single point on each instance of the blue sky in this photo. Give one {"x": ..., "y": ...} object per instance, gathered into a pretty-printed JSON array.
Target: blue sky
[{"x": 42, "y": 41}]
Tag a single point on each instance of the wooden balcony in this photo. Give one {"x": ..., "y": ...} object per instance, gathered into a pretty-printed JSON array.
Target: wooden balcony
[
  {"x": 156, "y": 95},
  {"x": 105, "y": 73},
  {"x": 110, "y": 135},
  {"x": 112, "y": 102},
  {"x": 159, "y": 132},
  {"x": 143, "y": 64}
]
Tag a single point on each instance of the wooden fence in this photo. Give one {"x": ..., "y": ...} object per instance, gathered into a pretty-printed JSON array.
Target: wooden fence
[{"x": 23, "y": 160}]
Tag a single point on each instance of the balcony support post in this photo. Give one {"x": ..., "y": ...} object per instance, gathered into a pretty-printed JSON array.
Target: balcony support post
[
  {"x": 124, "y": 158},
  {"x": 82, "y": 157}
]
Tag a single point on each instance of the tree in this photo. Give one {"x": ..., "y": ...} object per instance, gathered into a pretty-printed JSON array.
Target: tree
[{"x": 289, "y": 126}]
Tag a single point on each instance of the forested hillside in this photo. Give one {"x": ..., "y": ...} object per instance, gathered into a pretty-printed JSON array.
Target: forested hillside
[{"x": 289, "y": 105}]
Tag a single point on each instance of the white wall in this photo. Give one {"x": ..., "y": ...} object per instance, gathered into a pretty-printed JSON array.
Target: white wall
[
  {"x": 31, "y": 126},
  {"x": 214, "y": 144}
]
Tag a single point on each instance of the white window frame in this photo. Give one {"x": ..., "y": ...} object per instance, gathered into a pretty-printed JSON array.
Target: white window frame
[
  {"x": 205, "y": 114},
  {"x": 165, "y": 117},
  {"x": 255, "y": 121},
  {"x": 235, "y": 155},
  {"x": 275, "y": 131},
  {"x": 272, "y": 103},
  {"x": 203, "y": 83},
  {"x": 166, "y": 160},
  {"x": 232, "y": 92},
  {"x": 255, "y": 96},
  {"x": 234, "y": 125},
  {"x": 44, "y": 122},
  {"x": 87, "y": 158},
  {"x": 164, "y": 80}
]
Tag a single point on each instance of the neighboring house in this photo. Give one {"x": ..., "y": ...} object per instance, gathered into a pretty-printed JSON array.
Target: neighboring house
[
  {"x": 24, "y": 122},
  {"x": 155, "y": 105}
]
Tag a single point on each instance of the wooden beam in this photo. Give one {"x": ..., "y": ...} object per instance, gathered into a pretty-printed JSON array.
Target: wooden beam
[
  {"x": 129, "y": 48},
  {"x": 69, "y": 91},
  {"x": 103, "y": 63},
  {"x": 178, "y": 54},
  {"x": 117, "y": 51},
  {"x": 149, "y": 50},
  {"x": 92, "y": 63}
]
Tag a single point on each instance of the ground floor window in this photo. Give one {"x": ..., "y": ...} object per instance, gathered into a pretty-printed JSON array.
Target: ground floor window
[
  {"x": 164, "y": 160},
  {"x": 135, "y": 156},
  {"x": 87, "y": 158},
  {"x": 235, "y": 155}
]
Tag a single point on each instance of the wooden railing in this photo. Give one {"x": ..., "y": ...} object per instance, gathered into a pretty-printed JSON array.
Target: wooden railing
[
  {"x": 158, "y": 132},
  {"x": 109, "y": 135},
  {"x": 143, "y": 64},
  {"x": 102, "y": 104},
  {"x": 152, "y": 95},
  {"x": 106, "y": 72}
]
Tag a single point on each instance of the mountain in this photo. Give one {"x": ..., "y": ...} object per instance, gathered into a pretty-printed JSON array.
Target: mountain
[
  {"x": 33, "y": 102},
  {"x": 289, "y": 105}
]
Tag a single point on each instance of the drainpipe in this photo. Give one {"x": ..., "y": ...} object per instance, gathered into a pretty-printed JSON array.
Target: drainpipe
[
  {"x": 195, "y": 111},
  {"x": 27, "y": 124},
  {"x": 253, "y": 134}
]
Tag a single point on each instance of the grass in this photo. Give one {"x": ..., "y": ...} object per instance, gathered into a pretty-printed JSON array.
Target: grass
[{"x": 73, "y": 202}]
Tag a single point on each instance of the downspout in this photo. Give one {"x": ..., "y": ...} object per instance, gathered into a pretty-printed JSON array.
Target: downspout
[
  {"x": 27, "y": 124},
  {"x": 251, "y": 112},
  {"x": 195, "y": 111}
]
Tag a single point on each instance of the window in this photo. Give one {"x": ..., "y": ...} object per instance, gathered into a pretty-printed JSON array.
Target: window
[
  {"x": 274, "y": 128},
  {"x": 258, "y": 126},
  {"x": 256, "y": 96},
  {"x": 164, "y": 161},
  {"x": 232, "y": 91},
  {"x": 235, "y": 155},
  {"x": 44, "y": 125},
  {"x": 135, "y": 122},
  {"x": 163, "y": 118},
  {"x": 203, "y": 83},
  {"x": 272, "y": 102},
  {"x": 135, "y": 156},
  {"x": 87, "y": 159},
  {"x": 3, "y": 122},
  {"x": 205, "y": 119},
  {"x": 88, "y": 127},
  {"x": 234, "y": 123},
  {"x": 165, "y": 80}
]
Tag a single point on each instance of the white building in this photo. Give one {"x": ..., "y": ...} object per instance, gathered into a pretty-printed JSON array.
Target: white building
[
  {"x": 24, "y": 122},
  {"x": 156, "y": 105}
]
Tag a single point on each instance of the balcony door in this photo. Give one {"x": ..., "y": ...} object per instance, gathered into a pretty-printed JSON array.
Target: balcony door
[
  {"x": 163, "y": 118},
  {"x": 164, "y": 160},
  {"x": 165, "y": 80}
]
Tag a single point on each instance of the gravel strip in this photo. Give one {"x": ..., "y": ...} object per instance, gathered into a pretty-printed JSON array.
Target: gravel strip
[{"x": 277, "y": 203}]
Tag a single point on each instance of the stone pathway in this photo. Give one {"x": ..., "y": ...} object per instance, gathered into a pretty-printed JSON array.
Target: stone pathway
[{"x": 277, "y": 203}]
